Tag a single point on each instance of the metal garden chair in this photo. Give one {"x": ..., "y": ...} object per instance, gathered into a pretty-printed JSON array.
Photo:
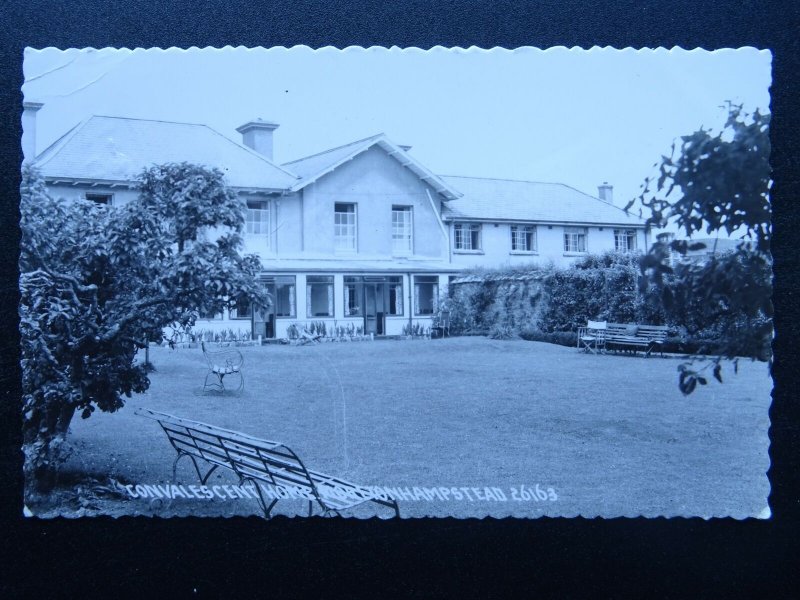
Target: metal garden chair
[{"x": 221, "y": 364}]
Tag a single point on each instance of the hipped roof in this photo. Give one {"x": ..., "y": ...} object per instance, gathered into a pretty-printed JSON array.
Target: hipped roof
[
  {"x": 510, "y": 200},
  {"x": 119, "y": 148}
]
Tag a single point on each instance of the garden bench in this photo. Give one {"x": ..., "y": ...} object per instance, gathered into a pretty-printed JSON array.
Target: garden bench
[
  {"x": 260, "y": 462},
  {"x": 221, "y": 364},
  {"x": 621, "y": 336}
]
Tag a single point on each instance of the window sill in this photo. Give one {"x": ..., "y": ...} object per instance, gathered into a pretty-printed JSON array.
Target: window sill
[
  {"x": 455, "y": 251},
  {"x": 576, "y": 253},
  {"x": 524, "y": 253}
]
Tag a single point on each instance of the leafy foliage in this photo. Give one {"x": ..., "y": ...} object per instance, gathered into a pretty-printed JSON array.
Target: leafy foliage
[
  {"x": 550, "y": 300},
  {"x": 549, "y": 304},
  {"x": 98, "y": 282},
  {"x": 710, "y": 183}
]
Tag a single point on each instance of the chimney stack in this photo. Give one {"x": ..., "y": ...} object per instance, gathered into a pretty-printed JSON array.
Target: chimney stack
[
  {"x": 258, "y": 136},
  {"x": 29, "y": 110},
  {"x": 606, "y": 192}
]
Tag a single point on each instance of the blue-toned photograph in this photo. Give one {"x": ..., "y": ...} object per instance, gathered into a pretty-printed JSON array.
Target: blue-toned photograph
[{"x": 396, "y": 283}]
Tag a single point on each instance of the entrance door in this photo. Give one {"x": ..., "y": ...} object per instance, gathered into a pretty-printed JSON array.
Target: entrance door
[{"x": 375, "y": 308}]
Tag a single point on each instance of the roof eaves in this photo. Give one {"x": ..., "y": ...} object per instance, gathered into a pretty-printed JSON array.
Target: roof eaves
[
  {"x": 357, "y": 149},
  {"x": 435, "y": 181},
  {"x": 297, "y": 160},
  {"x": 461, "y": 217},
  {"x": 392, "y": 149}
]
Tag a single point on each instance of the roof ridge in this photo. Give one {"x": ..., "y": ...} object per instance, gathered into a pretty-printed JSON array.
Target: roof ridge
[
  {"x": 371, "y": 137},
  {"x": 125, "y": 118},
  {"x": 210, "y": 128},
  {"x": 507, "y": 179}
]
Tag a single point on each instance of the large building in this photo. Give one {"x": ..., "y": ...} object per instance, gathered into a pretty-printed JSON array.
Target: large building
[{"x": 361, "y": 234}]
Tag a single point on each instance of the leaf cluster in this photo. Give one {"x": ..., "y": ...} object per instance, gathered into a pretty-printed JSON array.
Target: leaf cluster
[{"x": 99, "y": 282}]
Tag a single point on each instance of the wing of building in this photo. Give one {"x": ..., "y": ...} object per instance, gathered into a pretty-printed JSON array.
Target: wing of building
[{"x": 362, "y": 234}]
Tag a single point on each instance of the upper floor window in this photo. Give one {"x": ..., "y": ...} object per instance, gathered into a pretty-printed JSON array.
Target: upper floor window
[
  {"x": 574, "y": 239},
  {"x": 402, "y": 230},
  {"x": 106, "y": 199},
  {"x": 257, "y": 218},
  {"x": 523, "y": 238},
  {"x": 344, "y": 232},
  {"x": 625, "y": 240},
  {"x": 467, "y": 236}
]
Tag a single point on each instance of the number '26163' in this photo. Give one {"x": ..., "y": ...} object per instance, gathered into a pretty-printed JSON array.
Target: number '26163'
[{"x": 536, "y": 493}]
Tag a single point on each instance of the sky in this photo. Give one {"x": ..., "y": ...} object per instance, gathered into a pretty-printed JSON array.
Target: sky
[{"x": 579, "y": 117}]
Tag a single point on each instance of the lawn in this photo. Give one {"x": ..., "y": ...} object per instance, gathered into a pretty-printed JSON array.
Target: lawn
[{"x": 611, "y": 435}]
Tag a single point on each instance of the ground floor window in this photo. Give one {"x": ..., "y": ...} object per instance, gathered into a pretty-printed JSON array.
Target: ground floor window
[
  {"x": 319, "y": 296},
  {"x": 395, "y": 296},
  {"x": 285, "y": 303},
  {"x": 426, "y": 294},
  {"x": 353, "y": 295},
  {"x": 208, "y": 316},
  {"x": 389, "y": 295},
  {"x": 243, "y": 310},
  {"x": 624, "y": 240}
]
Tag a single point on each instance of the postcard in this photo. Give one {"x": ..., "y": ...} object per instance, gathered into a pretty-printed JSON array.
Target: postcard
[{"x": 396, "y": 283}]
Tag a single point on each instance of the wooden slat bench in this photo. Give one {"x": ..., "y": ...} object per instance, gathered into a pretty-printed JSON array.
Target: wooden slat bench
[
  {"x": 260, "y": 461},
  {"x": 622, "y": 336}
]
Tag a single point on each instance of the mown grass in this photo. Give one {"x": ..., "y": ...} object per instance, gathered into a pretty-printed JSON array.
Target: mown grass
[{"x": 612, "y": 435}]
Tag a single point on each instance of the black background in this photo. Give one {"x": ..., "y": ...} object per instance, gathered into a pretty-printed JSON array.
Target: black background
[{"x": 417, "y": 558}]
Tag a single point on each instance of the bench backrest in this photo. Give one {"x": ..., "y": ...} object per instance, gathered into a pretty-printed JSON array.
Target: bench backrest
[
  {"x": 229, "y": 357},
  {"x": 647, "y": 332},
  {"x": 249, "y": 457}
]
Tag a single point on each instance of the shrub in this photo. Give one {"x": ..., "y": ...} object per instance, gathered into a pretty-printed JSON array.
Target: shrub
[{"x": 549, "y": 304}]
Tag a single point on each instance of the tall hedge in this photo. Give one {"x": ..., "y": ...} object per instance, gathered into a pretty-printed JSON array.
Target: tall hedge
[
  {"x": 548, "y": 299},
  {"x": 544, "y": 302}
]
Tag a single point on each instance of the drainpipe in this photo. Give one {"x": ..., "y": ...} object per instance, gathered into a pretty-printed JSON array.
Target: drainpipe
[{"x": 410, "y": 303}]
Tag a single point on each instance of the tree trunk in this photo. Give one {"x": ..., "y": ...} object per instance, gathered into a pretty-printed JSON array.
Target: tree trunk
[{"x": 44, "y": 432}]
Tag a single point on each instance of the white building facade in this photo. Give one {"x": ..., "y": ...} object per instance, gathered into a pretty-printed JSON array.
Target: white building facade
[{"x": 361, "y": 236}]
